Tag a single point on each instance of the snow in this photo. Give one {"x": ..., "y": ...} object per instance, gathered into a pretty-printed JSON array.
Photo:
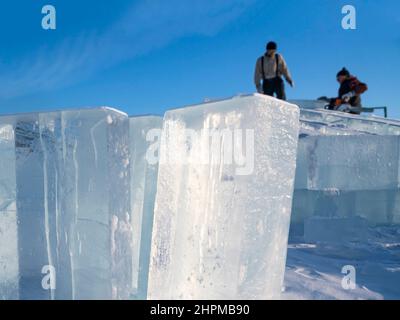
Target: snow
[
  {"x": 220, "y": 232},
  {"x": 314, "y": 271}
]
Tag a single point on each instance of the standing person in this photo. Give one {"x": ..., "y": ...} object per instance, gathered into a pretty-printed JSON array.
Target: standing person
[
  {"x": 349, "y": 95},
  {"x": 270, "y": 68}
]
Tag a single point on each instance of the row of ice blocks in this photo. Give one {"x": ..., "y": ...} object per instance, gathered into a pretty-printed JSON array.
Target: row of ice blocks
[
  {"x": 65, "y": 231},
  {"x": 77, "y": 196},
  {"x": 347, "y": 166},
  {"x": 78, "y": 190},
  {"x": 224, "y": 198}
]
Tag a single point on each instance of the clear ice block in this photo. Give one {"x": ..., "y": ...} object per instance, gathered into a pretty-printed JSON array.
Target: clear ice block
[
  {"x": 347, "y": 166},
  {"x": 336, "y": 230},
  {"x": 72, "y": 204},
  {"x": 145, "y": 135},
  {"x": 355, "y": 162},
  {"x": 224, "y": 198},
  {"x": 8, "y": 220}
]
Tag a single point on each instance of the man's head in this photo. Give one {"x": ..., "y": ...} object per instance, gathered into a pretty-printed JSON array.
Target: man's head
[
  {"x": 271, "y": 48},
  {"x": 342, "y": 75}
]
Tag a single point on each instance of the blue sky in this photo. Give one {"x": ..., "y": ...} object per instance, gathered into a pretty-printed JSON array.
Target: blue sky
[{"x": 147, "y": 56}]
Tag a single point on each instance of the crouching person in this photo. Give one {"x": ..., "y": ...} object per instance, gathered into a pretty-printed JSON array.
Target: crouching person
[{"x": 350, "y": 90}]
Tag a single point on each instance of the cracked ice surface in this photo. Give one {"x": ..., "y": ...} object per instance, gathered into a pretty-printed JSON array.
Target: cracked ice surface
[
  {"x": 221, "y": 226},
  {"x": 67, "y": 204}
]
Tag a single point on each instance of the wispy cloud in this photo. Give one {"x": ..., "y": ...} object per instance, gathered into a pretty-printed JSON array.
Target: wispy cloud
[{"x": 146, "y": 26}]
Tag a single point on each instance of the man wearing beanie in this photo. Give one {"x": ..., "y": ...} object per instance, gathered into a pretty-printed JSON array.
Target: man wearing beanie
[
  {"x": 349, "y": 97},
  {"x": 270, "y": 68}
]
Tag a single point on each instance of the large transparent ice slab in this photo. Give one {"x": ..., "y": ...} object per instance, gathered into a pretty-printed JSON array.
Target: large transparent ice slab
[
  {"x": 336, "y": 230},
  {"x": 346, "y": 166},
  {"x": 354, "y": 162},
  {"x": 145, "y": 136},
  {"x": 72, "y": 204},
  {"x": 224, "y": 200},
  {"x": 8, "y": 219}
]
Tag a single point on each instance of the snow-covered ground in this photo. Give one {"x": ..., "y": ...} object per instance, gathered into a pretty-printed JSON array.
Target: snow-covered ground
[{"x": 313, "y": 271}]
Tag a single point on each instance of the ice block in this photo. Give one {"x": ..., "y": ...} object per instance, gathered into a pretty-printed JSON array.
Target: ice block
[
  {"x": 145, "y": 138},
  {"x": 347, "y": 166},
  {"x": 224, "y": 198},
  {"x": 328, "y": 121},
  {"x": 9, "y": 268},
  {"x": 72, "y": 186}
]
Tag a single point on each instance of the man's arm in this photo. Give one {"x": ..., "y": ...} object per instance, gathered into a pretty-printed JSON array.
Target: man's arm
[
  {"x": 258, "y": 76},
  {"x": 357, "y": 88},
  {"x": 285, "y": 71}
]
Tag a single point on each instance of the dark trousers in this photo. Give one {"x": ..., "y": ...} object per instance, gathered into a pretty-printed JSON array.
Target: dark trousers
[{"x": 274, "y": 86}]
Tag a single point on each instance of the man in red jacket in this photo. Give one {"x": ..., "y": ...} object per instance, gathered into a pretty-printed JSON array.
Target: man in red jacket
[{"x": 349, "y": 98}]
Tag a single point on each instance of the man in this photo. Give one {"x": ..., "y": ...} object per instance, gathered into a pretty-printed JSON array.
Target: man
[
  {"x": 270, "y": 68},
  {"x": 349, "y": 98}
]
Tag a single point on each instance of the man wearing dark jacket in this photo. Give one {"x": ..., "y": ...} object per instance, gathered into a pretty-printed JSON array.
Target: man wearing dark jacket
[
  {"x": 349, "y": 98},
  {"x": 269, "y": 69}
]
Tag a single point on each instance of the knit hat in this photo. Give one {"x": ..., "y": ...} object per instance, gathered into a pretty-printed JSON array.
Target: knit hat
[{"x": 343, "y": 72}]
